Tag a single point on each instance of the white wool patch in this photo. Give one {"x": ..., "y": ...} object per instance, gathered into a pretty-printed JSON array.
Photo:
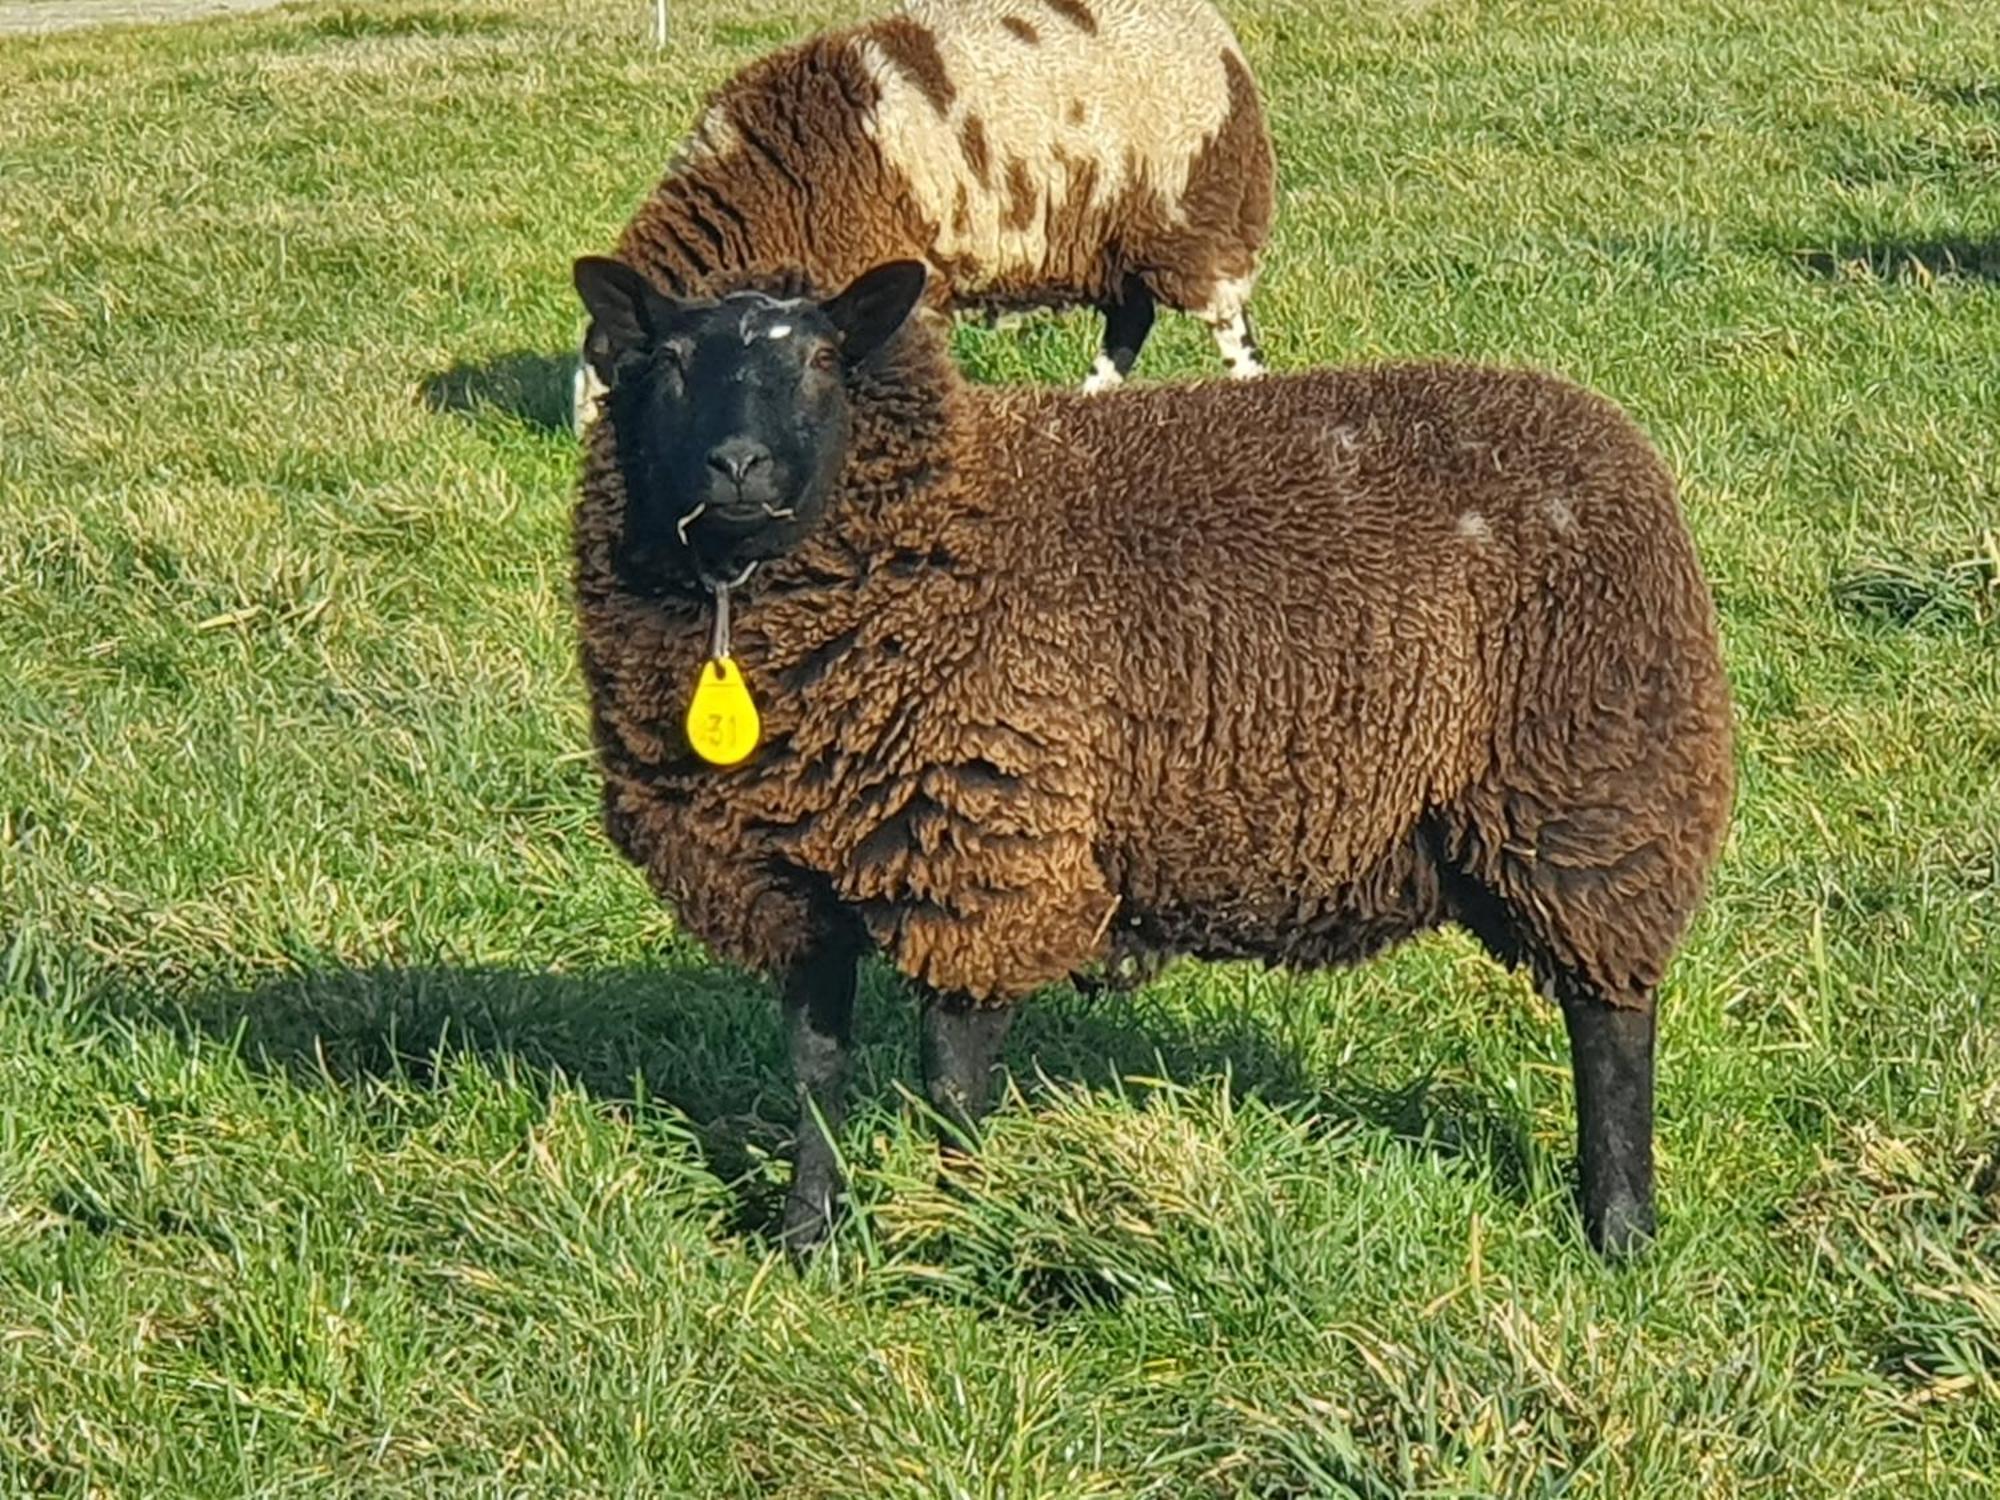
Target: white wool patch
[
  {"x": 1474, "y": 527},
  {"x": 1151, "y": 87},
  {"x": 1103, "y": 376},
  {"x": 1226, "y": 318},
  {"x": 1226, "y": 303},
  {"x": 587, "y": 393},
  {"x": 713, "y": 136},
  {"x": 1233, "y": 339},
  {"x": 761, "y": 316},
  {"x": 1339, "y": 448},
  {"x": 1560, "y": 515}
]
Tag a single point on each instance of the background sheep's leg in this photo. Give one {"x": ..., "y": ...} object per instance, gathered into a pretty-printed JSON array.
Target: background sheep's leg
[
  {"x": 1228, "y": 318},
  {"x": 1245, "y": 335},
  {"x": 1127, "y": 321},
  {"x": 819, "y": 1009},
  {"x": 1611, "y": 1057},
  {"x": 961, "y": 1047}
]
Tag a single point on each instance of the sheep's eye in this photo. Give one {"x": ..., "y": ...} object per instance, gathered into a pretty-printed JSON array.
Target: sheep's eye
[
  {"x": 825, "y": 357},
  {"x": 674, "y": 357}
]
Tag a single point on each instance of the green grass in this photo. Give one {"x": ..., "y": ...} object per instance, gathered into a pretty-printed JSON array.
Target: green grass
[{"x": 366, "y": 1130}]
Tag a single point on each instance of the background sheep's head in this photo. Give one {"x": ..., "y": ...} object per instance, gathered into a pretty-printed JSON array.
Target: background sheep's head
[{"x": 731, "y": 416}]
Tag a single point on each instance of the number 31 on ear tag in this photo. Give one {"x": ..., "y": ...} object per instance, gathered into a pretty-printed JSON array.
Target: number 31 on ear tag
[{"x": 721, "y": 720}]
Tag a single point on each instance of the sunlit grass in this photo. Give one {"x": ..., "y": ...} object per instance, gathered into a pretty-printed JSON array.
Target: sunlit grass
[{"x": 366, "y": 1130}]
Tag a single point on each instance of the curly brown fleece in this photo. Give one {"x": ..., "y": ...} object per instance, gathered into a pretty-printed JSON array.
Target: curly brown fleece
[
  {"x": 1033, "y": 155},
  {"x": 1288, "y": 670}
]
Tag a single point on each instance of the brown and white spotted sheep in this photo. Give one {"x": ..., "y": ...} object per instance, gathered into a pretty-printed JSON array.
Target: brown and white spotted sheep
[
  {"x": 1287, "y": 670},
  {"x": 1033, "y": 153}
]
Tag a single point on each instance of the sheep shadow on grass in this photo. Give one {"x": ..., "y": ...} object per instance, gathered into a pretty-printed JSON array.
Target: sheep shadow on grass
[
  {"x": 1959, "y": 258},
  {"x": 708, "y": 1041},
  {"x": 533, "y": 387}
]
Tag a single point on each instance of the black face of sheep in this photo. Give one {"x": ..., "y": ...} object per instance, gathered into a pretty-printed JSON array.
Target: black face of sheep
[{"x": 731, "y": 416}]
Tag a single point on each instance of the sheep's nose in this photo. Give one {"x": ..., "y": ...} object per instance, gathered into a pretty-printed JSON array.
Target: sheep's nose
[{"x": 738, "y": 458}]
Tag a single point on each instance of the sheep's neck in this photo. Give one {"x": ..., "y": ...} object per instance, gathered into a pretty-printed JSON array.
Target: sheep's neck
[{"x": 903, "y": 489}]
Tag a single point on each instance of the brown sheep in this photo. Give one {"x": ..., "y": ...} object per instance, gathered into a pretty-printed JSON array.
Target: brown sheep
[
  {"x": 1288, "y": 670},
  {"x": 1035, "y": 153}
]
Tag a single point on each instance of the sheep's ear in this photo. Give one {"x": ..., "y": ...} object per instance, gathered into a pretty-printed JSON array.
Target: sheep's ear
[
  {"x": 623, "y": 311},
  {"x": 874, "y": 306}
]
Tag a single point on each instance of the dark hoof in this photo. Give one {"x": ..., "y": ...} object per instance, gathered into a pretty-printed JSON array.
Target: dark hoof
[{"x": 808, "y": 1218}]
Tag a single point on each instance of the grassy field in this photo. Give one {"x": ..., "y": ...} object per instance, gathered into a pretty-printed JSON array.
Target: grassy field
[{"x": 365, "y": 1130}]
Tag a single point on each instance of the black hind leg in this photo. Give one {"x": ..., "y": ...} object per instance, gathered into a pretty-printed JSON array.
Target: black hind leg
[
  {"x": 961, "y": 1048},
  {"x": 1611, "y": 1057},
  {"x": 1611, "y": 1061}
]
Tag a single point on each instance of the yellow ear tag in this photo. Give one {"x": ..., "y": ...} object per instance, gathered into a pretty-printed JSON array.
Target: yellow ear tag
[{"x": 721, "y": 720}]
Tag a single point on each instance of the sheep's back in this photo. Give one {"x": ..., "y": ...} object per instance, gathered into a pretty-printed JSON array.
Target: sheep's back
[
  {"x": 1022, "y": 147},
  {"x": 1025, "y": 127}
]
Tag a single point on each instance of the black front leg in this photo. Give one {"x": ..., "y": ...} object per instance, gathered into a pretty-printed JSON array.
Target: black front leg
[
  {"x": 1127, "y": 322},
  {"x": 1611, "y": 1057},
  {"x": 961, "y": 1048},
  {"x": 819, "y": 1012}
]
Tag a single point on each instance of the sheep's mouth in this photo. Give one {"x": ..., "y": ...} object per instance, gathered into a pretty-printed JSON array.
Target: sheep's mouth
[
  {"x": 738, "y": 518},
  {"x": 714, "y": 539},
  {"x": 671, "y": 550}
]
